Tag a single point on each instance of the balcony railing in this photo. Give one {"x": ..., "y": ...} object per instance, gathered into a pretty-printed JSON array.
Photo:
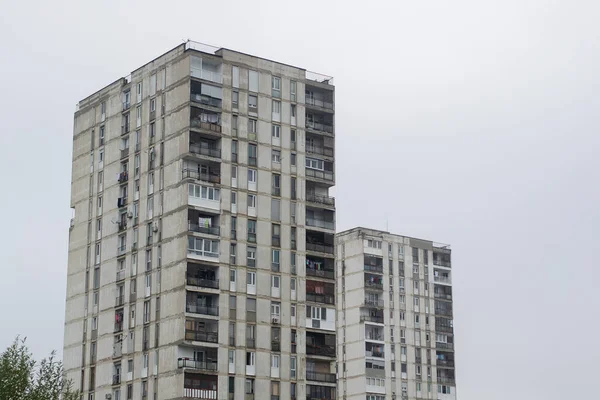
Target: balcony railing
[
  {"x": 207, "y": 126},
  {"x": 275, "y": 267},
  {"x": 199, "y": 365},
  {"x": 276, "y": 191},
  {"x": 205, "y": 151},
  {"x": 320, "y": 248},
  {"x": 209, "y": 230},
  {"x": 198, "y": 336},
  {"x": 275, "y": 345},
  {"x": 202, "y": 282},
  {"x": 371, "y": 353},
  {"x": 250, "y": 342},
  {"x": 116, "y": 380},
  {"x": 322, "y": 151},
  {"x": 444, "y": 296},
  {"x": 120, "y": 275},
  {"x": 374, "y": 268},
  {"x": 201, "y": 394},
  {"x": 124, "y": 129},
  {"x": 442, "y": 279},
  {"x": 443, "y": 311},
  {"x": 371, "y": 318},
  {"x": 444, "y": 328},
  {"x": 118, "y": 326},
  {"x": 204, "y": 99},
  {"x": 315, "y": 173},
  {"x": 318, "y": 103},
  {"x": 326, "y": 200},
  {"x": 320, "y": 350},
  {"x": 374, "y": 285},
  {"x": 126, "y": 105},
  {"x": 203, "y": 253},
  {"x": 121, "y": 250},
  {"x": 320, "y": 298},
  {"x": 374, "y": 302},
  {"x": 320, "y": 273},
  {"x": 120, "y": 300},
  {"x": 441, "y": 263},
  {"x": 318, "y": 126},
  {"x": 447, "y": 380},
  {"x": 206, "y": 310},
  {"x": 320, "y": 223},
  {"x": 320, "y": 377},
  {"x": 252, "y": 161},
  {"x": 374, "y": 336},
  {"x": 445, "y": 363},
  {"x": 444, "y": 346},
  {"x": 212, "y": 178}
]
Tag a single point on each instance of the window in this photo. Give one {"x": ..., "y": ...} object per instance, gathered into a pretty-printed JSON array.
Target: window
[
  {"x": 235, "y": 74},
  {"x": 275, "y": 86},
  {"x": 293, "y": 90},
  {"x": 249, "y": 386},
  {"x": 251, "y": 278},
  {"x": 293, "y": 188},
  {"x": 293, "y": 367},
  {"x": 275, "y": 307},
  {"x": 203, "y": 247},
  {"x": 293, "y": 113},
  {"x": 252, "y": 154},
  {"x": 252, "y": 103},
  {"x": 232, "y": 275},
  {"x": 234, "y": 124},
  {"x": 203, "y": 192},
  {"x": 252, "y": 200},
  {"x": 313, "y": 163},
  {"x": 232, "y": 253},
  {"x": 374, "y": 244},
  {"x": 252, "y": 126},
  {"x": 274, "y": 361},
  {"x": 253, "y": 81},
  {"x": 235, "y": 99},
  {"x": 252, "y": 230},
  {"x": 251, "y": 176},
  {"x": 276, "y": 156},
  {"x": 276, "y": 111},
  {"x": 233, "y": 197},
  {"x": 152, "y": 105},
  {"x": 101, "y": 136},
  {"x": 275, "y": 281},
  {"x": 293, "y": 159},
  {"x": 250, "y": 358},
  {"x": 251, "y": 256},
  {"x": 275, "y": 131}
]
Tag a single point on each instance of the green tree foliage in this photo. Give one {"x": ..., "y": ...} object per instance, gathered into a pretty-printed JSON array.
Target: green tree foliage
[{"x": 22, "y": 378}]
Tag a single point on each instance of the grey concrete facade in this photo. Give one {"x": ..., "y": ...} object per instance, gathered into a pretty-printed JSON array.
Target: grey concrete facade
[
  {"x": 201, "y": 260},
  {"x": 394, "y": 310}
]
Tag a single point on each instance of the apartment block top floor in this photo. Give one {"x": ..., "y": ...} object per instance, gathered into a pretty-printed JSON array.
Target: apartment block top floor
[{"x": 209, "y": 53}]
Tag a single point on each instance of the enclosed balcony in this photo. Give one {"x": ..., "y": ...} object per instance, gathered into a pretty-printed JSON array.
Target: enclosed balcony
[
  {"x": 203, "y": 223},
  {"x": 205, "y": 146},
  {"x": 320, "y": 267},
  {"x": 373, "y": 333},
  {"x": 206, "y": 69},
  {"x": 315, "y": 392},
  {"x": 374, "y": 350},
  {"x": 202, "y": 276},
  {"x": 442, "y": 292},
  {"x": 322, "y": 219},
  {"x": 319, "y": 170},
  {"x": 319, "y": 242},
  {"x": 369, "y": 314},
  {"x": 373, "y": 282},
  {"x": 320, "y": 292},
  {"x": 203, "y": 249},
  {"x": 320, "y": 344},
  {"x": 207, "y": 172},
  {"x": 320, "y": 371},
  {"x": 373, "y": 264},
  {"x": 317, "y": 99},
  {"x": 443, "y": 324},
  {"x": 199, "y": 386},
  {"x": 204, "y": 196},
  {"x": 205, "y": 121},
  {"x": 446, "y": 377},
  {"x": 375, "y": 368},
  {"x": 205, "y": 94},
  {"x": 319, "y": 123},
  {"x": 318, "y": 146},
  {"x": 202, "y": 304},
  {"x": 202, "y": 330}
]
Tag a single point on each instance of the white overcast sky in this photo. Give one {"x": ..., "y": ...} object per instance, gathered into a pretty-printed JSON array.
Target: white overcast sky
[{"x": 474, "y": 123}]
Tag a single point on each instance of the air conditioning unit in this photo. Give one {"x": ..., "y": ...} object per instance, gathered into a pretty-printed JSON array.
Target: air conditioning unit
[
  {"x": 155, "y": 227},
  {"x": 129, "y": 214},
  {"x": 108, "y": 396},
  {"x": 275, "y": 320}
]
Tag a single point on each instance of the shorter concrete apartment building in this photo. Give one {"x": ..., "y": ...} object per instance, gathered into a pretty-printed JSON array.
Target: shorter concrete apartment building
[{"x": 394, "y": 311}]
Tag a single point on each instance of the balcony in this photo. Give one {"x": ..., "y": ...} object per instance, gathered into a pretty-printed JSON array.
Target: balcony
[
  {"x": 320, "y": 248},
  {"x": 209, "y": 366},
  {"x": 444, "y": 346},
  {"x": 445, "y": 363},
  {"x": 205, "y": 94},
  {"x": 201, "y": 394},
  {"x": 314, "y": 392},
  {"x": 320, "y": 377},
  {"x": 446, "y": 380},
  {"x": 375, "y": 352},
  {"x": 321, "y": 200},
  {"x": 320, "y": 267},
  {"x": 375, "y": 318},
  {"x": 442, "y": 279},
  {"x": 205, "y": 150},
  {"x": 204, "y": 120},
  {"x": 202, "y": 176},
  {"x": 116, "y": 380},
  {"x": 200, "y": 336},
  {"x": 373, "y": 282},
  {"x": 320, "y": 298},
  {"x": 123, "y": 177},
  {"x": 441, "y": 256},
  {"x": 205, "y": 228}
]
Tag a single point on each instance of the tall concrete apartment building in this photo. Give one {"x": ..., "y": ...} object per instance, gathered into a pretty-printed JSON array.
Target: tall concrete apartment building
[
  {"x": 201, "y": 251},
  {"x": 394, "y": 310}
]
